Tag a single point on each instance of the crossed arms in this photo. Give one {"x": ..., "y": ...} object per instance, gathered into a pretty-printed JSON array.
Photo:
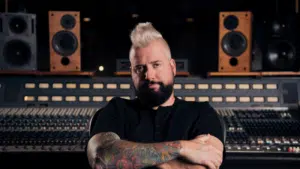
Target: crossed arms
[{"x": 107, "y": 150}]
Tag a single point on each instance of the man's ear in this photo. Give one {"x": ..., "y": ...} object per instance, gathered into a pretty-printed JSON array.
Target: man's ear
[{"x": 173, "y": 66}]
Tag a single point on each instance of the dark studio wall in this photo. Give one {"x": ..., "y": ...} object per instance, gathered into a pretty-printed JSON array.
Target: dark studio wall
[{"x": 106, "y": 37}]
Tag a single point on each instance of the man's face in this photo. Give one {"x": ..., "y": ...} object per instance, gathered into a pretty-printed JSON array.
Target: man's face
[{"x": 153, "y": 73}]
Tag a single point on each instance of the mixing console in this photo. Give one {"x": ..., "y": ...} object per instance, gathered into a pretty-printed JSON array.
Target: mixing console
[
  {"x": 255, "y": 133},
  {"x": 264, "y": 133},
  {"x": 44, "y": 129}
]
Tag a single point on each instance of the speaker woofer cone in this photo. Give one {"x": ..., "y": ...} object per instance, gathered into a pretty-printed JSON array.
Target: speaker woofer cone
[
  {"x": 17, "y": 25},
  {"x": 281, "y": 55},
  {"x": 17, "y": 53},
  {"x": 234, "y": 43},
  {"x": 64, "y": 43}
]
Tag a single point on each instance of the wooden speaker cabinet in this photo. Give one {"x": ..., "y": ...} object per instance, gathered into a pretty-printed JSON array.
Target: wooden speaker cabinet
[
  {"x": 235, "y": 41},
  {"x": 64, "y": 41}
]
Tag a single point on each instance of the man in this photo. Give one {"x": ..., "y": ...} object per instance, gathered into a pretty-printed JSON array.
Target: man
[{"x": 156, "y": 129}]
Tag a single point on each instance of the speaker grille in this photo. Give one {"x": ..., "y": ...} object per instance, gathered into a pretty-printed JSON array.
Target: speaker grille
[{"x": 17, "y": 53}]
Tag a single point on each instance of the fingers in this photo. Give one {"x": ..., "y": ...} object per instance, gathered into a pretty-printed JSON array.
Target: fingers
[
  {"x": 211, "y": 140},
  {"x": 217, "y": 159},
  {"x": 212, "y": 150},
  {"x": 210, "y": 165},
  {"x": 219, "y": 153},
  {"x": 215, "y": 156},
  {"x": 214, "y": 145},
  {"x": 204, "y": 151},
  {"x": 214, "y": 163},
  {"x": 216, "y": 152},
  {"x": 217, "y": 163}
]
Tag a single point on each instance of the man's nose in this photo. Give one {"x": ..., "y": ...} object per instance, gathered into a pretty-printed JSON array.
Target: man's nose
[{"x": 149, "y": 74}]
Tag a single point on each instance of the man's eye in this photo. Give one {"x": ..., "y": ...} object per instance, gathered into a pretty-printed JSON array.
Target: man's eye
[
  {"x": 139, "y": 69},
  {"x": 156, "y": 65}
]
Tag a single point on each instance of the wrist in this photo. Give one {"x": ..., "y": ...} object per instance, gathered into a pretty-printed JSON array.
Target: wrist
[{"x": 183, "y": 148}]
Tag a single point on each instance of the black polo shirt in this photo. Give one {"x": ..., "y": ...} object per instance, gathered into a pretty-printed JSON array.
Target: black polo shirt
[{"x": 182, "y": 121}]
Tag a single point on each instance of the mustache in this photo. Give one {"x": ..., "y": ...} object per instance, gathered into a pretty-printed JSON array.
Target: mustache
[{"x": 146, "y": 83}]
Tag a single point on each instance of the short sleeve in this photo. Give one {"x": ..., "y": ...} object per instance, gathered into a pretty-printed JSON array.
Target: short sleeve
[{"x": 109, "y": 119}]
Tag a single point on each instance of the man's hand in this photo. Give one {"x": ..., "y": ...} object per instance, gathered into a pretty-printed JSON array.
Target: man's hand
[
  {"x": 205, "y": 150},
  {"x": 183, "y": 164}
]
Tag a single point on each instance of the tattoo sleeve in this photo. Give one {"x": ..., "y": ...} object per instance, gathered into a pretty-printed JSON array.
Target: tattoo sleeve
[{"x": 114, "y": 153}]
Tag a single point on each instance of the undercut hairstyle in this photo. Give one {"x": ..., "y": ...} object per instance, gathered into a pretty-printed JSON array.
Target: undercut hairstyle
[{"x": 142, "y": 35}]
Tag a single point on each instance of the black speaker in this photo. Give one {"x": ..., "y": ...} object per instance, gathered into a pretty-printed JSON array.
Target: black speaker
[
  {"x": 277, "y": 40},
  {"x": 18, "y": 47}
]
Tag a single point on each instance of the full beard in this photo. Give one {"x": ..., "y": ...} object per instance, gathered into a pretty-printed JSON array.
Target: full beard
[{"x": 151, "y": 98}]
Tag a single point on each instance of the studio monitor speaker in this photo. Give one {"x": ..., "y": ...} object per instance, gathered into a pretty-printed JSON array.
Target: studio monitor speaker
[
  {"x": 64, "y": 41},
  {"x": 235, "y": 38},
  {"x": 18, "y": 47}
]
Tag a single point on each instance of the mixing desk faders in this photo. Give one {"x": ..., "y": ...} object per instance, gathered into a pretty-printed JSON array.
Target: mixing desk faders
[
  {"x": 44, "y": 129},
  {"x": 262, "y": 133}
]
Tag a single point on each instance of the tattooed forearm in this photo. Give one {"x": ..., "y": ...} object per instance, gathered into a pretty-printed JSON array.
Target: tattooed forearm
[
  {"x": 124, "y": 154},
  {"x": 116, "y": 153}
]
